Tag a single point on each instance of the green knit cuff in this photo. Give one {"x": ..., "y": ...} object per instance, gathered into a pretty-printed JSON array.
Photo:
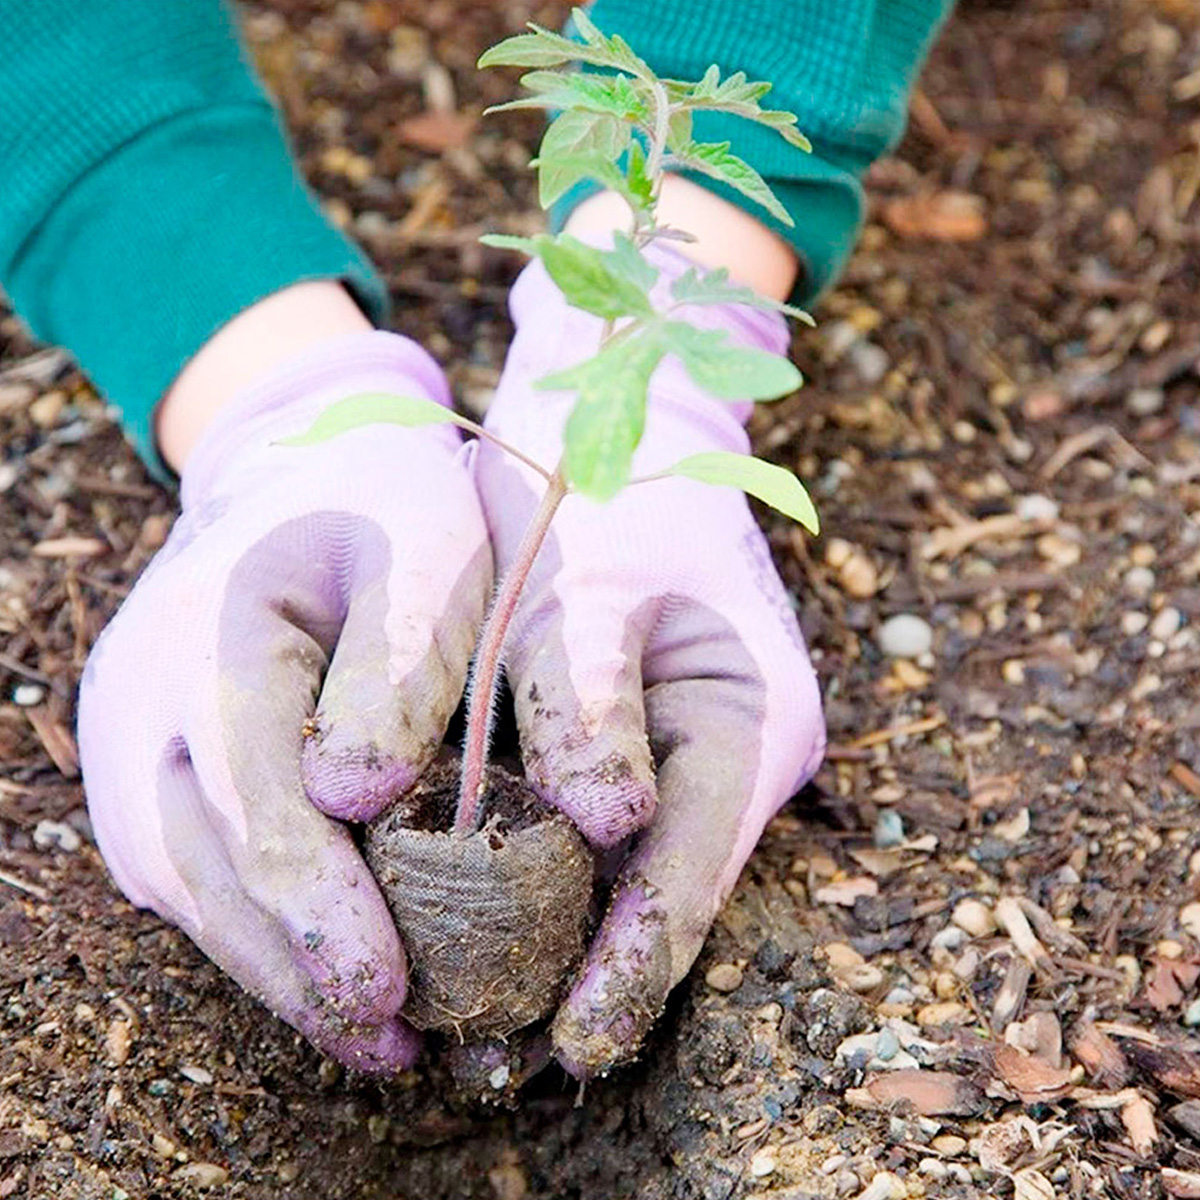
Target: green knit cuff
[{"x": 167, "y": 239}]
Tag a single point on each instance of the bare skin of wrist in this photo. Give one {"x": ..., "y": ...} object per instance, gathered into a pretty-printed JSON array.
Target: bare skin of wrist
[
  {"x": 248, "y": 347},
  {"x": 726, "y": 236}
]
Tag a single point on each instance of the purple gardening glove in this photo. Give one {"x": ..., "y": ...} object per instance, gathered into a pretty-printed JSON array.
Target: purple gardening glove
[
  {"x": 292, "y": 655},
  {"x": 660, "y": 680}
]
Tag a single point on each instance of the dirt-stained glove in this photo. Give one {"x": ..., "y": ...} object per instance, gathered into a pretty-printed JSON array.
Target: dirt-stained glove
[
  {"x": 661, "y": 684},
  {"x": 292, "y": 655}
]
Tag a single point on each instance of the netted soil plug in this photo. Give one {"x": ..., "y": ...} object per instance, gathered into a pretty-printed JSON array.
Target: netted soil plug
[{"x": 493, "y": 921}]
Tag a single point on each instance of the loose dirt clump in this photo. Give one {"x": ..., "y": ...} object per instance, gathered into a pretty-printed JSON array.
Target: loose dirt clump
[{"x": 493, "y": 921}]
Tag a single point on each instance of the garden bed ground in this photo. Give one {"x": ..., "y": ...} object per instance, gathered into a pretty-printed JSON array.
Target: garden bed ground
[{"x": 1005, "y": 429}]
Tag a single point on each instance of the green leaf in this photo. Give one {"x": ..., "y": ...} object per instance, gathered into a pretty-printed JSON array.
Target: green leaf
[
  {"x": 614, "y": 52},
  {"x": 373, "y": 408},
  {"x": 738, "y": 96},
  {"x": 679, "y": 130},
  {"x": 578, "y": 145},
  {"x": 587, "y": 280},
  {"x": 627, "y": 261},
  {"x": 606, "y": 424},
  {"x": 542, "y": 49},
  {"x": 714, "y": 160},
  {"x": 764, "y": 481},
  {"x": 640, "y": 185},
  {"x": 728, "y": 371},
  {"x": 713, "y": 287},
  {"x": 613, "y": 94},
  {"x": 506, "y": 241}
]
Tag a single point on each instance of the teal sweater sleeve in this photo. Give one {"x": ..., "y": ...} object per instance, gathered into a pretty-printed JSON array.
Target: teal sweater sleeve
[
  {"x": 147, "y": 194},
  {"x": 845, "y": 67}
]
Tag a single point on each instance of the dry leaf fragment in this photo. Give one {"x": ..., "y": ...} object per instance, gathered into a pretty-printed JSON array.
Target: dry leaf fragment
[
  {"x": 57, "y": 740},
  {"x": 1034, "y": 1081},
  {"x": 948, "y": 216},
  {"x": 1184, "y": 1184},
  {"x": 925, "y": 1093},
  {"x": 437, "y": 131},
  {"x": 1168, "y": 980},
  {"x": 1014, "y": 828},
  {"x": 1040, "y": 1035}
]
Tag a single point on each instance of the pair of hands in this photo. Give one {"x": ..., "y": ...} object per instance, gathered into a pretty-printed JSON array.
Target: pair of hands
[{"x": 291, "y": 658}]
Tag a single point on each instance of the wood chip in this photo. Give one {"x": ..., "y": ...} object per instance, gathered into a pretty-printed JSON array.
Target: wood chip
[
  {"x": 1184, "y": 1184},
  {"x": 1138, "y": 1118},
  {"x": 1040, "y": 1035},
  {"x": 879, "y": 736},
  {"x": 1034, "y": 1081},
  {"x": 70, "y": 547},
  {"x": 1030, "y": 1184},
  {"x": 1010, "y": 998},
  {"x": 846, "y": 891},
  {"x": 1099, "y": 1055},
  {"x": 1175, "y": 1067},
  {"x": 434, "y": 132},
  {"x": 948, "y": 216},
  {"x": 1011, "y": 918},
  {"x": 57, "y": 740},
  {"x": 925, "y": 1093},
  {"x": 951, "y": 541}
]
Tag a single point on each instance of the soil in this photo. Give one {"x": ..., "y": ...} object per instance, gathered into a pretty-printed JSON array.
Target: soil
[
  {"x": 1002, "y": 428},
  {"x": 492, "y": 922}
]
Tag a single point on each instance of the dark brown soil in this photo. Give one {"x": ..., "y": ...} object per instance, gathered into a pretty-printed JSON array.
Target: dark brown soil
[
  {"x": 1048, "y": 750},
  {"x": 493, "y": 922}
]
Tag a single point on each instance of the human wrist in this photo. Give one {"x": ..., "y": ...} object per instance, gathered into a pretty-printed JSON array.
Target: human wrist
[{"x": 246, "y": 349}]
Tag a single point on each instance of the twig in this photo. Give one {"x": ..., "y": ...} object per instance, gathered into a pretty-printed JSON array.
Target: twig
[
  {"x": 32, "y": 889},
  {"x": 925, "y": 725}
]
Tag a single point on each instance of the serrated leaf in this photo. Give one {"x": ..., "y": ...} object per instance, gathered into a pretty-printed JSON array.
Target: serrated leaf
[
  {"x": 587, "y": 277},
  {"x": 728, "y": 371},
  {"x": 613, "y": 94},
  {"x": 614, "y": 52},
  {"x": 630, "y": 263},
  {"x": 679, "y": 130},
  {"x": 573, "y": 143},
  {"x": 373, "y": 408},
  {"x": 765, "y": 481},
  {"x": 714, "y": 160},
  {"x": 714, "y": 287},
  {"x": 606, "y": 424},
  {"x": 529, "y": 50}
]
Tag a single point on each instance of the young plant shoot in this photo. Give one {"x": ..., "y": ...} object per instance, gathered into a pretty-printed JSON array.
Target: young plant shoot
[{"x": 621, "y": 126}]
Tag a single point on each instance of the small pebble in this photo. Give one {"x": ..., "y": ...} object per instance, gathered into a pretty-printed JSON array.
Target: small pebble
[
  {"x": 889, "y": 829},
  {"x": 933, "y": 1167},
  {"x": 1144, "y": 402},
  {"x": 1037, "y": 507},
  {"x": 840, "y": 955},
  {"x": 858, "y": 577},
  {"x": 905, "y": 636},
  {"x": 1166, "y": 624},
  {"x": 196, "y": 1075},
  {"x": 864, "y": 978},
  {"x": 944, "y": 1013},
  {"x": 499, "y": 1078},
  {"x": 1191, "y": 1016},
  {"x": 764, "y": 1163},
  {"x": 1013, "y": 671},
  {"x": 949, "y": 1144},
  {"x": 887, "y": 1045},
  {"x": 1143, "y": 554},
  {"x": 1169, "y": 949},
  {"x": 162, "y": 1146},
  {"x": 1061, "y": 551},
  {"x": 870, "y": 361},
  {"x": 974, "y": 917},
  {"x": 1189, "y": 919},
  {"x": 1133, "y": 622},
  {"x": 724, "y": 977},
  {"x": 49, "y": 835},
  {"x": 951, "y": 938},
  {"x": 117, "y": 1042},
  {"x": 203, "y": 1175},
  {"x": 26, "y": 695},
  {"x": 1139, "y": 580}
]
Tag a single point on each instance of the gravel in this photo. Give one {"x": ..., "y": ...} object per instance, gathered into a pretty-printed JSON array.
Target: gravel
[{"x": 905, "y": 636}]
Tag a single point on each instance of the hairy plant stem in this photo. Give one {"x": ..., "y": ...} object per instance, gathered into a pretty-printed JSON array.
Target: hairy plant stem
[{"x": 486, "y": 670}]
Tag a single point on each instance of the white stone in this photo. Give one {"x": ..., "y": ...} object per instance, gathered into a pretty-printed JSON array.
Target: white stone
[
  {"x": 27, "y": 695},
  {"x": 1166, "y": 624},
  {"x": 905, "y": 636},
  {"x": 1144, "y": 402},
  {"x": 1037, "y": 507},
  {"x": 50, "y": 834}
]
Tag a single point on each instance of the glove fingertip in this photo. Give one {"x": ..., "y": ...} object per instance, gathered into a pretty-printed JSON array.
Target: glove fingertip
[{"x": 354, "y": 784}]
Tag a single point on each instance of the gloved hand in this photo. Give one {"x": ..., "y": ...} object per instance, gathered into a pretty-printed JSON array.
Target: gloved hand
[
  {"x": 213, "y": 754},
  {"x": 661, "y": 684}
]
